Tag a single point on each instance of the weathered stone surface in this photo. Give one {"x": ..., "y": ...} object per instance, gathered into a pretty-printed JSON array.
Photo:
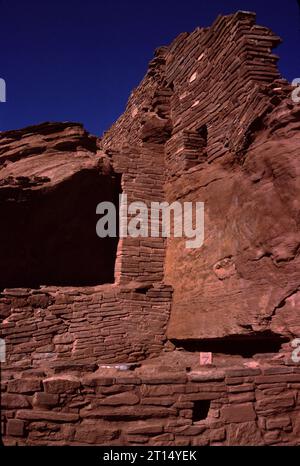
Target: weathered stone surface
[
  {"x": 270, "y": 379},
  {"x": 30, "y": 150},
  {"x": 10, "y": 401},
  {"x": 165, "y": 378},
  {"x": 241, "y": 397},
  {"x": 211, "y": 121},
  {"x": 126, "y": 398},
  {"x": 36, "y": 415},
  {"x": 246, "y": 433},
  {"x": 243, "y": 252},
  {"x": 90, "y": 434},
  {"x": 142, "y": 428},
  {"x": 276, "y": 402},
  {"x": 246, "y": 387},
  {"x": 15, "y": 427},
  {"x": 44, "y": 400},
  {"x": 128, "y": 412},
  {"x": 24, "y": 385},
  {"x": 62, "y": 339},
  {"x": 95, "y": 380},
  {"x": 205, "y": 376},
  {"x": 239, "y": 413},
  {"x": 61, "y": 384},
  {"x": 218, "y": 435},
  {"x": 278, "y": 422}
]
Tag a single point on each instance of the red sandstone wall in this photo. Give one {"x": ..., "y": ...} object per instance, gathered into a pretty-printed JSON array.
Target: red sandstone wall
[
  {"x": 247, "y": 177},
  {"x": 247, "y": 407},
  {"x": 246, "y": 172},
  {"x": 125, "y": 321},
  {"x": 106, "y": 324},
  {"x": 245, "y": 278},
  {"x": 140, "y": 260},
  {"x": 244, "y": 281}
]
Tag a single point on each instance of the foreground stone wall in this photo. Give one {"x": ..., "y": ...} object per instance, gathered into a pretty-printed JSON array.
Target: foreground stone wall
[
  {"x": 103, "y": 324},
  {"x": 76, "y": 406}
]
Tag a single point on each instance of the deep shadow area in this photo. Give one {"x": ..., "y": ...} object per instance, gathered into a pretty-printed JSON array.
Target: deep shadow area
[
  {"x": 200, "y": 410},
  {"x": 242, "y": 345},
  {"x": 48, "y": 237}
]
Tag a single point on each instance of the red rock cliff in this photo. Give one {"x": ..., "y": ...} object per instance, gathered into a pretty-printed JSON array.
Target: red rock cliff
[{"x": 212, "y": 121}]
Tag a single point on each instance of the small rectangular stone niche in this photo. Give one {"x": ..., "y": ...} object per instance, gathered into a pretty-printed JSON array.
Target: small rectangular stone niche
[{"x": 200, "y": 410}]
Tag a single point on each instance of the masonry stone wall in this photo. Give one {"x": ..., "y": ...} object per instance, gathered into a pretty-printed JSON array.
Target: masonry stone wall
[
  {"x": 211, "y": 121},
  {"x": 76, "y": 406},
  {"x": 109, "y": 324}
]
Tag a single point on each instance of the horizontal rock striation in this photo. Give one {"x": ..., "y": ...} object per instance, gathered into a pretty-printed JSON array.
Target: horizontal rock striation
[{"x": 236, "y": 406}]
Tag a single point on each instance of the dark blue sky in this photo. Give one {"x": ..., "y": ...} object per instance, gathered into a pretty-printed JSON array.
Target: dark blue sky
[{"x": 79, "y": 60}]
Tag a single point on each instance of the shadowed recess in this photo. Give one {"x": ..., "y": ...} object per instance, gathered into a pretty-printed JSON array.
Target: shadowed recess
[
  {"x": 243, "y": 345},
  {"x": 48, "y": 237},
  {"x": 200, "y": 410}
]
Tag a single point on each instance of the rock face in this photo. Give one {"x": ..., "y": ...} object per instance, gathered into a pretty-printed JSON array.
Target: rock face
[
  {"x": 212, "y": 121},
  {"x": 231, "y": 136},
  {"x": 66, "y": 293},
  {"x": 245, "y": 280}
]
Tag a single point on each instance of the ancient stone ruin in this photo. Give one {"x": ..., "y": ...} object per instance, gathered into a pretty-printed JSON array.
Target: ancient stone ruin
[{"x": 103, "y": 336}]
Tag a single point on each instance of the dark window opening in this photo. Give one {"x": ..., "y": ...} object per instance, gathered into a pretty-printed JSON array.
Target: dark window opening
[
  {"x": 242, "y": 345},
  {"x": 48, "y": 236},
  {"x": 200, "y": 410}
]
